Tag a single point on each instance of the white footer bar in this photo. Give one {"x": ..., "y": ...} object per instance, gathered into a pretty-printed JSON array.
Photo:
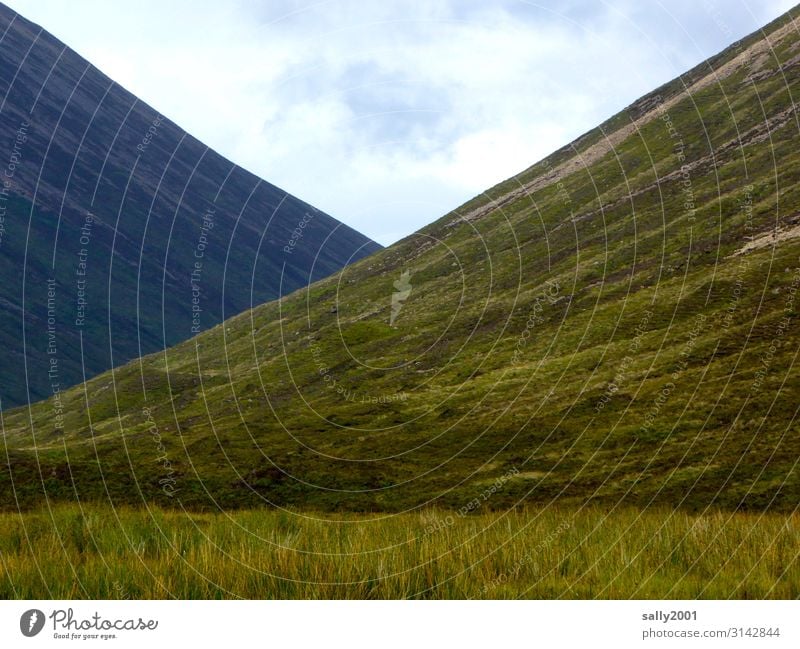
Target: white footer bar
[{"x": 378, "y": 625}]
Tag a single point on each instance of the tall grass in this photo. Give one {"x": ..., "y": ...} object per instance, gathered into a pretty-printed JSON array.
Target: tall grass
[{"x": 99, "y": 552}]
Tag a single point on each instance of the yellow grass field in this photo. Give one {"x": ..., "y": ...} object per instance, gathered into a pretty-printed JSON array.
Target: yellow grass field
[{"x": 98, "y": 552}]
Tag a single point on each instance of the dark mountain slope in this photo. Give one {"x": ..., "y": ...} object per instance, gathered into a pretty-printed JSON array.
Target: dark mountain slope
[
  {"x": 618, "y": 323},
  {"x": 108, "y": 207}
]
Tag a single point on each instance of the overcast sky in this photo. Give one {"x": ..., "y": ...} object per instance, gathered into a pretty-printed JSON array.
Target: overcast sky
[{"x": 389, "y": 114}]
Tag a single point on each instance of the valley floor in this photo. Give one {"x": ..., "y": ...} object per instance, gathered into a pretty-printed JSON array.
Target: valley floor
[{"x": 93, "y": 551}]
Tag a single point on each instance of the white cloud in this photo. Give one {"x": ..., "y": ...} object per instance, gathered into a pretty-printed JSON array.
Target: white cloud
[{"x": 389, "y": 114}]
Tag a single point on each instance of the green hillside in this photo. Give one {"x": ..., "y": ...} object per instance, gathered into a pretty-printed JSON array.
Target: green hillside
[{"x": 618, "y": 323}]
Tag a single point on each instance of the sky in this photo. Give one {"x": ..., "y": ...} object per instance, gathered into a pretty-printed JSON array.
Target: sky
[{"x": 389, "y": 114}]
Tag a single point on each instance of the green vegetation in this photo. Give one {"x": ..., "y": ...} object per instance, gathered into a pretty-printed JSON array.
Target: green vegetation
[
  {"x": 533, "y": 553},
  {"x": 615, "y": 346}
]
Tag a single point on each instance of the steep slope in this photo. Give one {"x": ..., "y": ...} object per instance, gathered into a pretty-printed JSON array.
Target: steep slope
[
  {"x": 617, "y": 323},
  {"x": 119, "y": 232}
]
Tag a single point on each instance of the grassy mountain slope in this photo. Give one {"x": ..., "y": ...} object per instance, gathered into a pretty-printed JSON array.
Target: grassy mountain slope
[
  {"x": 617, "y": 323},
  {"x": 116, "y": 205}
]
